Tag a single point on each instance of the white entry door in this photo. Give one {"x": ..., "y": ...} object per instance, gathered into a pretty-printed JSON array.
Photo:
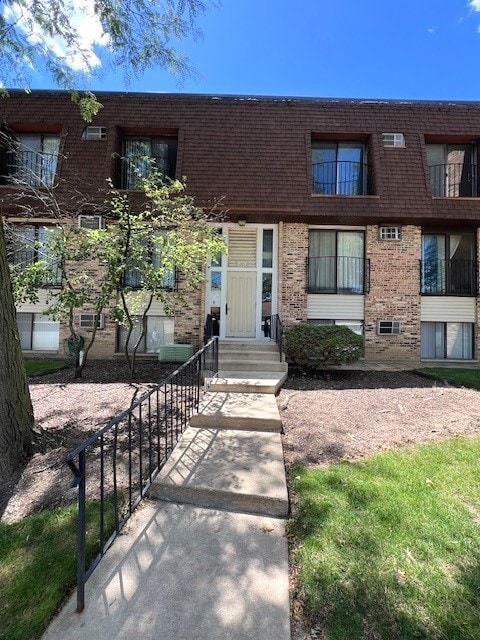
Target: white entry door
[{"x": 241, "y": 307}]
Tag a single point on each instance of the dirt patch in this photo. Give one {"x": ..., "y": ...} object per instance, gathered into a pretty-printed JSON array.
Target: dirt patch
[
  {"x": 349, "y": 415},
  {"x": 66, "y": 412}
]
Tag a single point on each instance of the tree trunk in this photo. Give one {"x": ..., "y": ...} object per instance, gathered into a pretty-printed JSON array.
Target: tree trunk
[{"x": 16, "y": 413}]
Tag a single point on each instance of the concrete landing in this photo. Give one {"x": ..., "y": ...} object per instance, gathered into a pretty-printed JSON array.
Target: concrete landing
[
  {"x": 186, "y": 573},
  {"x": 249, "y": 411},
  {"x": 228, "y": 469},
  {"x": 251, "y": 365},
  {"x": 241, "y": 382}
]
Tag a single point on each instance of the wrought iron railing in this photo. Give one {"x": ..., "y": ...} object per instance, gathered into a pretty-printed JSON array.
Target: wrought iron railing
[
  {"x": 33, "y": 168},
  {"x": 341, "y": 177},
  {"x": 338, "y": 274},
  {"x": 115, "y": 467},
  {"x": 131, "y": 170},
  {"x": 448, "y": 277},
  {"x": 52, "y": 273},
  {"x": 454, "y": 180},
  {"x": 276, "y": 332}
]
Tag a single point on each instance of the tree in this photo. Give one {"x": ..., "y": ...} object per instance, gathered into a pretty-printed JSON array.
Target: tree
[
  {"x": 170, "y": 236},
  {"x": 133, "y": 35},
  {"x": 74, "y": 39},
  {"x": 16, "y": 413},
  {"x": 121, "y": 268}
]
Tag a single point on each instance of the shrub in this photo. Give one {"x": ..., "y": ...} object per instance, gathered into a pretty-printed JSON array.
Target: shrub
[{"x": 315, "y": 346}]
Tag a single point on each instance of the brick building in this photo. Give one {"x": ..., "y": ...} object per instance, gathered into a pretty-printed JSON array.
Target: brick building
[{"x": 359, "y": 212}]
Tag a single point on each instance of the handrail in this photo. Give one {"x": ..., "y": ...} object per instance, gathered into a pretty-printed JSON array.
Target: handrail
[
  {"x": 276, "y": 333},
  {"x": 114, "y": 468},
  {"x": 340, "y": 177}
]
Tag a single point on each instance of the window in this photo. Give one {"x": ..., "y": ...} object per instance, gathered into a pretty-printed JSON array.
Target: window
[
  {"x": 338, "y": 168},
  {"x": 336, "y": 261},
  {"x": 33, "y": 160},
  {"x": 159, "y": 331},
  {"x": 448, "y": 264},
  {"x": 447, "y": 340},
  {"x": 37, "y": 332},
  {"x": 153, "y": 256},
  {"x": 390, "y": 233},
  {"x": 453, "y": 170},
  {"x": 30, "y": 243},
  {"x": 393, "y": 139},
  {"x": 141, "y": 154},
  {"x": 354, "y": 325}
]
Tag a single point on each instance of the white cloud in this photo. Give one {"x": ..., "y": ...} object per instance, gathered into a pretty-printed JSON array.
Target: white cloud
[
  {"x": 474, "y": 4},
  {"x": 432, "y": 30},
  {"x": 82, "y": 19}
]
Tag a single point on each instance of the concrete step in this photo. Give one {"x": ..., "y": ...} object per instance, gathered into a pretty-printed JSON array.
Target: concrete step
[
  {"x": 247, "y": 346},
  {"x": 245, "y": 411},
  {"x": 238, "y": 382},
  {"x": 252, "y": 365},
  {"x": 244, "y": 355},
  {"x": 227, "y": 469}
]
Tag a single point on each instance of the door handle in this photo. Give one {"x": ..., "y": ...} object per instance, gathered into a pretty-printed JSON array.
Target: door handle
[{"x": 226, "y": 309}]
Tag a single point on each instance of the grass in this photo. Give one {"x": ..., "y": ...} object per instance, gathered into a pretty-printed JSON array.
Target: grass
[
  {"x": 464, "y": 377},
  {"x": 39, "y": 367},
  {"x": 38, "y": 567},
  {"x": 389, "y": 548}
]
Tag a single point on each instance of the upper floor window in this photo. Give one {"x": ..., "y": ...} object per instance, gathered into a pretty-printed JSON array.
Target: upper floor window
[
  {"x": 142, "y": 154},
  {"x": 453, "y": 170},
  {"x": 28, "y": 243},
  {"x": 336, "y": 261},
  {"x": 448, "y": 264},
  {"x": 338, "y": 168},
  {"x": 32, "y": 158}
]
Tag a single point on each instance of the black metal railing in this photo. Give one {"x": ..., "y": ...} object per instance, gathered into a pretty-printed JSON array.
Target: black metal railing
[
  {"x": 276, "y": 332},
  {"x": 115, "y": 467},
  {"x": 51, "y": 273},
  {"x": 131, "y": 170},
  {"x": 454, "y": 180},
  {"x": 33, "y": 168},
  {"x": 448, "y": 277},
  {"x": 341, "y": 177},
  {"x": 338, "y": 274}
]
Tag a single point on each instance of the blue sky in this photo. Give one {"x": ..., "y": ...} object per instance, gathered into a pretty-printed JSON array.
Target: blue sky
[{"x": 412, "y": 49}]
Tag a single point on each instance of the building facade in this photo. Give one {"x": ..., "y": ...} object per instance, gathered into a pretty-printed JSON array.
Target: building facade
[{"x": 356, "y": 212}]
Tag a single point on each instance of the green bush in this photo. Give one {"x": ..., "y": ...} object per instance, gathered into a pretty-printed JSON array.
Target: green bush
[{"x": 313, "y": 346}]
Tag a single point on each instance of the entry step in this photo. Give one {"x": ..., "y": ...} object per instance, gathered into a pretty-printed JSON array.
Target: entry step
[
  {"x": 245, "y": 411},
  {"x": 240, "y": 382}
]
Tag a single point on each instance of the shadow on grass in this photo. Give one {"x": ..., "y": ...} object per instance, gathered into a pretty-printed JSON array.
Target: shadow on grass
[{"x": 371, "y": 569}]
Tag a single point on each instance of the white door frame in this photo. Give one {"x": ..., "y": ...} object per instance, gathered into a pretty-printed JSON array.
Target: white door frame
[{"x": 219, "y": 297}]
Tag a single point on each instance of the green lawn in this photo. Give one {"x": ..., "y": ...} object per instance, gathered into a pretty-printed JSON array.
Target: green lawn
[
  {"x": 389, "y": 548},
  {"x": 38, "y": 367},
  {"x": 38, "y": 567},
  {"x": 465, "y": 377}
]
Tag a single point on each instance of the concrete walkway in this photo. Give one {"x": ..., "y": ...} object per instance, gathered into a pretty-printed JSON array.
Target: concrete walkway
[{"x": 184, "y": 569}]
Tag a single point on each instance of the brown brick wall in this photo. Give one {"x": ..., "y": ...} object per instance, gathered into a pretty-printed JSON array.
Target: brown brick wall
[
  {"x": 292, "y": 284},
  {"x": 394, "y": 295}
]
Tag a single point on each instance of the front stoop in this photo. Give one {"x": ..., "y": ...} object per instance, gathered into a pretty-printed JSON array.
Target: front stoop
[
  {"x": 228, "y": 469},
  {"x": 241, "y": 382},
  {"x": 246, "y": 411}
]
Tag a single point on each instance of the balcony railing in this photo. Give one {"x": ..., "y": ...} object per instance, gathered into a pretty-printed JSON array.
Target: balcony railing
[
  {"x": 338, "y": 274},
  {"x": 33, "y": 168},
  {"x": 131, "y": 170},
  {"x": 51, "y": 272},
  {"x": 448, "y": 277},
  {"x": 342, "y": 177},
  {"x": 454, "y": 180}
]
